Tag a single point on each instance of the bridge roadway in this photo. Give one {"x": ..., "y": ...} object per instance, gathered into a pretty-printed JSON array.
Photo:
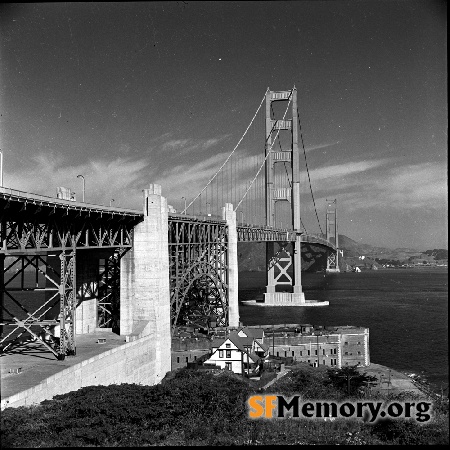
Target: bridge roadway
[{"x": 19, "y": 201}]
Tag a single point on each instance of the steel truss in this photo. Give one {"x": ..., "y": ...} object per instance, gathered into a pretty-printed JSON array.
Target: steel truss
[
  {"x": 25, "y": 318},
  {"x": 31, "y": 228},
  {"x": 280, "y": 263},
  {"x": 266, "y": 234},
  {"x": 29, "y": 223},
  {"x": 198, "y": 266},
  {"x": 108, "y": 304},
  {"x": 332, "y": 261}
]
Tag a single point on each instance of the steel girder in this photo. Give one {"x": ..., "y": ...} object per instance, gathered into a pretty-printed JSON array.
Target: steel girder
[
  {"x": 198, "y": 265},
  {"x": 252, "y": 233},
  {"x": 332, "y": 261},
  {"x": 319, "y": 240},
  {"x": 28, "y": 226},
  {"x": 108, "y": 304},
  {"x": 26, "y": 318}
]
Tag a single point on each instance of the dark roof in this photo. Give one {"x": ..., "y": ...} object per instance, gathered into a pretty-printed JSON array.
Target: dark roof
[
  {"x": 256, "y": 333},
  {"x": 264, "y": 346}
]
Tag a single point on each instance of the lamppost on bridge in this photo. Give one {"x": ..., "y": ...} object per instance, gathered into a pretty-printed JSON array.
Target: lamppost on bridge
[
  {"x": 1, "y": 169},
  {"x": 184, "y": 204},
  {"x": 84, "y": 185},
  {"x": 110, "y": 202},
  {"x": 242, "y": 217},
  {"x": 207, "y": 209}
]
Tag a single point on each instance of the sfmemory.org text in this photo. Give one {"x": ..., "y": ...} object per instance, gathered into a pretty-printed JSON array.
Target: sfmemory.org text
[{"x": 277, "y": 406}]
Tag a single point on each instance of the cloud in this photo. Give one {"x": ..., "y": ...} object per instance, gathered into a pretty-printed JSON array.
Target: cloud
[
  {"x": 376, "y": 184},
  {"x": 122, "y": 178},
  {"x": 342, "y": 172},
  {"x": 179, "y": 147},
  {"x": 317, "y": 147}
]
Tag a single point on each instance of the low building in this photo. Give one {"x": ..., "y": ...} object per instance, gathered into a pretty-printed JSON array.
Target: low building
[
  {"x": 331, "y": 346},
  {"x": 241, "y": 352},
  {"x": 243, "y": 349}
]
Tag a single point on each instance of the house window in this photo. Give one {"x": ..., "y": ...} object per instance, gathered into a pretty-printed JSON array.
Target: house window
[
  {"x": 315, "y": 352},
  {"x": 323, "y": 352},
  {"x": 187, "y": 359},
  {"x": 220, "y": 353},
  {"x": 285, "y": 354},
  {"x": 228, "y": 345},
  {"x": 301, "y": 352},
  {"x": 228, "y": 355},
  {"x": 178, "y": 359},
  {"x": 228, "y": 366},
  {"x": 292, "y": 353},
  {"x": 309, "y": 352},
  {"x": 359, "y": 353},
  {"x": 345, "y": 343},
  {"x": 195, "y": 358},
  {"x": 278, "y": 354},
  {"x": 346, "y": 353}
]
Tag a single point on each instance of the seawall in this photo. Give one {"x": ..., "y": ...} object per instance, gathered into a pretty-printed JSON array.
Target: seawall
[{"x": 114, "y": 362}]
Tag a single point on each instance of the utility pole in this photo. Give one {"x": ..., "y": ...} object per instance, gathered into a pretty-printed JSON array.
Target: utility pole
[
  {"x": 84, "y": 185},
  {"x": 1, "y": 168}
]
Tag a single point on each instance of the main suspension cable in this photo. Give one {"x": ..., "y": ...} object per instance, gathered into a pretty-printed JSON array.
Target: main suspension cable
[
  {"x": 268, "y": 152},
  {"x": 230, "y": 155},
  {"x": 307, "y": 170}
]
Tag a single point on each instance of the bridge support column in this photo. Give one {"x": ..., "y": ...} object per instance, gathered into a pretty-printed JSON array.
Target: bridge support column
[
  {"x": 295, "y": 298},
  {"x": 298, "y": 295},
  {"x": 270, "y": 252},
  {"x": 233, "y": 303},
  {"x": 144, "y": 287}
]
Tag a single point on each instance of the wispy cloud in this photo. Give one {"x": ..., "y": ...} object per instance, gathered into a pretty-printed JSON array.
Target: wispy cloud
[
  {"x": 180, "y": 147},
  {"x": 319, "y": 146},
  {"x": 376, "y": 184},
  {"x": 105, "y": 179}
]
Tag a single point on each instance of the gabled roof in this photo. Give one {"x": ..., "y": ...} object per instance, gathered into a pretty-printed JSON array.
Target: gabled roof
[
  {"x": 264, "y": 346},
  {"x": 242, "y": 343},
  {"x": 253, "y": 357},
  {"x": 256, "y": 333}
]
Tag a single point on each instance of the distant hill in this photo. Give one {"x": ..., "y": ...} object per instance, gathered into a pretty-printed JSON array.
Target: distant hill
[
  {"x": 252, "y": 256},
  {"x": 352, "y": 248}
]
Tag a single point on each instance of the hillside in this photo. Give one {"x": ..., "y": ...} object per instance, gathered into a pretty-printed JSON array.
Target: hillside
[{"x": 251, "y": 256}]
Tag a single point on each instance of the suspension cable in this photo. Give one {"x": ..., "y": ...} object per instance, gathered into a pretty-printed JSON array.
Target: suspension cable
[
  {"x": 268, "y": 153},
  {"x": 307, "y": 170},
  {"x": 229, "y": 156}
]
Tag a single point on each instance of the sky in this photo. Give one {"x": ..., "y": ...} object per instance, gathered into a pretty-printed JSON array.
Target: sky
[{"x": 129, "y": 94}]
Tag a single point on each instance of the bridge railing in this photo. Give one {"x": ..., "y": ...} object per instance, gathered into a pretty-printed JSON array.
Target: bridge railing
[
  {"x": 317, "y": 239},
  {"x": 43, "y": 200}
]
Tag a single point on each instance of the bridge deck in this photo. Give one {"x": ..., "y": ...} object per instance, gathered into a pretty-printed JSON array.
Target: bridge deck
[
  {"x": 42, "y": 200},
  {"x": 246, "y": 232}
]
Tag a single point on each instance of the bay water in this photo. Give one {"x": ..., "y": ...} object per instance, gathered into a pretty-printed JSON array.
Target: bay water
[{"x": 406, "y": 311}]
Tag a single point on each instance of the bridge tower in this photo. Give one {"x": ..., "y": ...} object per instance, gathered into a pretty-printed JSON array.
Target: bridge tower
[
  {"x": 332, "y": 236},
  {"x": 279, "y": 255}
]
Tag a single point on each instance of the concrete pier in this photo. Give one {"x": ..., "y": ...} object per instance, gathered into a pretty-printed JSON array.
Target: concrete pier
[
  {"x": 144, "y": 285},
  {"x": 233, "y": 303}
]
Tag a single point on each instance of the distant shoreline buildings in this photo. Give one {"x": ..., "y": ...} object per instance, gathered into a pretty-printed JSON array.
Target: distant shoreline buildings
[{"x": 244, "y": 349}]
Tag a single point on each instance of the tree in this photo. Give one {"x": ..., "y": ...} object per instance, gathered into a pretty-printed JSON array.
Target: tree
[{"x": 349, "y": 379}]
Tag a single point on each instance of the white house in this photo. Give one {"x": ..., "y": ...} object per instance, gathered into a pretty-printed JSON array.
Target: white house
[{"x": 238, "y": 352}]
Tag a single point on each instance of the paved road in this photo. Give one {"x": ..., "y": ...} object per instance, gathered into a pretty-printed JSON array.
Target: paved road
[{"x": 390, "y": 380}]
